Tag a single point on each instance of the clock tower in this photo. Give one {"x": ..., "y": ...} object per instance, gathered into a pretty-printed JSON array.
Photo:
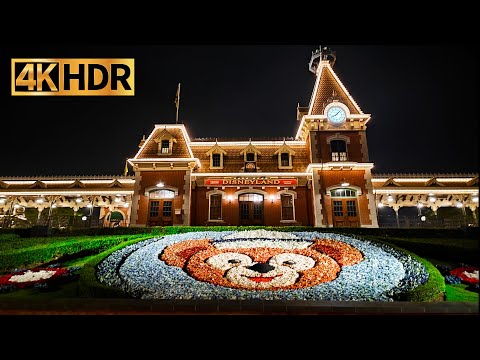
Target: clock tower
[{"x": 334, "y": 128}]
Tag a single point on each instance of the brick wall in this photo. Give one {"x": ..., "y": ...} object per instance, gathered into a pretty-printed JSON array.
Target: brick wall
[
  {"x": 354, "y": 149},
  {"x": 174, "y": 179},
  {"x": 335, "y": 177},
  {"x": 230, "y": 210}
]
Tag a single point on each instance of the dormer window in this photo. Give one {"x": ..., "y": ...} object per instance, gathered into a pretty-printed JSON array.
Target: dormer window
[
  {"x": 165, "y": 142},
  {"x": 165, "y": 149},
  {"x": 285, "y": 154},
  {"x": 216, "y": 160},
  {"x": 216, "y": 154},
  {"x": 250, "y": 157}
]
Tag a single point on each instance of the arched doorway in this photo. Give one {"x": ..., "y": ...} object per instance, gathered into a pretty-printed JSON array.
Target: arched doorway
[
  {"x": 160, "y": 208},
  {"x": 345, "y": 207},
  {"x": 251, "y": 209},
  {"x": 116, "y": 218}
]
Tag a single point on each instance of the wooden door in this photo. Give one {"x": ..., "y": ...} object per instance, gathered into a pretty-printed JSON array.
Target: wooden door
[
  {"x": 345, "y": 213},
  {"x": 160, "y": 213},
  {"x": 251, "y": 213}
]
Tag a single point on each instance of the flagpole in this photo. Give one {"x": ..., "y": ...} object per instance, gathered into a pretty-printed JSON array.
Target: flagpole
[
  {"x": 177, "y": 102},
  {"x": 177, "y": 114}
]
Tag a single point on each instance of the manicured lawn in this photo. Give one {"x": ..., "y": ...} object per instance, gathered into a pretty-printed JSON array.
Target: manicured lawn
[
  {"x": 16, "y": 252},
  {"x": 458, "y": 292}
]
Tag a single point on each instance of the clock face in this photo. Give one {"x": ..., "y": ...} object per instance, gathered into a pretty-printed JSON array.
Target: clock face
[{"x": 336, "y": 115}]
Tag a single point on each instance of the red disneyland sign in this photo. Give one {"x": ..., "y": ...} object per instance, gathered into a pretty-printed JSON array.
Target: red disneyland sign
[{"x": 260, "y": 182}]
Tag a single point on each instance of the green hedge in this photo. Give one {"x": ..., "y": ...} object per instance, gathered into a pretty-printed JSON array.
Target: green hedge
[
  {"x": 89, "y": 286},
  {"x": 43, "y": 253},
  {"x": 469, "y": 232},
  {"x": 433, "y": 290}
]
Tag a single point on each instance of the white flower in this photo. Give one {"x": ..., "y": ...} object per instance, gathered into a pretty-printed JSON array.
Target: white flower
[
  {"x": 260, "y": 234},
  {"x": 279, "y": 244},
  {"x": 471, "y": 275},
  {"x": 33, "y": 276}
]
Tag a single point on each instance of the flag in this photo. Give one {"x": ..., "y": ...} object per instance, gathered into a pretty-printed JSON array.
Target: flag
[
  {"x": 125, "y": 172},
  {"x": 177, "y": 97}
]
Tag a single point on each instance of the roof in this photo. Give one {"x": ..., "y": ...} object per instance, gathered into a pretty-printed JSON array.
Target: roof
[
  {"x": 329, "y": 86},
  {"x": 150, "y": 148},
  {"x": 267, "y": 160},
  {"x": 234, "y": 139},
  {"x": 72, "y": 184}
]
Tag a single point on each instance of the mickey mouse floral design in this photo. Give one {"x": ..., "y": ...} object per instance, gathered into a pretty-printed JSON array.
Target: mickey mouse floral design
[{"x": 263, "y": 262}]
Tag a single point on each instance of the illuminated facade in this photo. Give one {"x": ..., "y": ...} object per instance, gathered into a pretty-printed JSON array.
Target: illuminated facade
[{"x": 320, "y": 177}]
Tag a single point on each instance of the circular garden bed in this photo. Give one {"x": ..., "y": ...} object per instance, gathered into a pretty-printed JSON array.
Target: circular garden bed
[{"x": 260, "y": 264}]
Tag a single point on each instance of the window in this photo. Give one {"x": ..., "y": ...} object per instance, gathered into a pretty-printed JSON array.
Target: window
[
  {"x": 216, "y": 207},
  {"x": 216, "y": 160},
  {"x": 167, "y": 208},
  {"x": 250, "y": 157},
  {"x": 351, "y": 208},
  {"x": 165, "y": 147},
  {"x": 343, "y": 193},
  {"x": 162, "y": 194},
  {"x": 339, "y": 150},
  {"x": 287, "y": 207},
  {"x": 154, "y": 208},
  {"x": 337, "y": 208},
  {"x": 257, "y": 211},
  {"x": 285, "y": 154},
  {"x": 251, "y": 197}
]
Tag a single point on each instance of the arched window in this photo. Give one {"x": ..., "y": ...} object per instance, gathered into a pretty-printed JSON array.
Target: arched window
[
  {"x": 339, "y": 150},
  {"x": 257, "y": 198},
  {"x": 343, "y": 192},
  {"x": 162, "y": 194}
]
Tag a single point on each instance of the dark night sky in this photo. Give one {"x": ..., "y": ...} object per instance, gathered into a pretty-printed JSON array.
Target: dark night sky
[{"x": 422, "y": 99}]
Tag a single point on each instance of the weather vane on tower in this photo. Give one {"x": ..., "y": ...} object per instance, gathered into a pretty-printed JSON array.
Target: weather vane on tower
[{"x": 324, "y": 53}]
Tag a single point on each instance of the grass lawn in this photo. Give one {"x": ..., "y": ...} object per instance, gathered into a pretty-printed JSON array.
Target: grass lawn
[{"x": 458, "y": 292}]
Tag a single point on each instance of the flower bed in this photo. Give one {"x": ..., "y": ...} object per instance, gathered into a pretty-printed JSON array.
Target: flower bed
[
  {"x": 468, "y": 274},
  {"x": 28, "y": 278},
  {"x": 261, "y": 264}
]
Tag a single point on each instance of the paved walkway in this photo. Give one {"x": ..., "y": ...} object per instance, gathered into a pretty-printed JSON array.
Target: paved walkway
[{"x": 229, "y": 307}]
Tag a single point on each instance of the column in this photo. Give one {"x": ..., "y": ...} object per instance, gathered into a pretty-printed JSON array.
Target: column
[{"x": 317, "y": 200}]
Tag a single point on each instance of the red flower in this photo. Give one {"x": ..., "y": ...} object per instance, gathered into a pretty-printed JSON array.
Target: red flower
[
  {"x": 463, "y": 273},
  {"x": 20, "y": 279}
]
